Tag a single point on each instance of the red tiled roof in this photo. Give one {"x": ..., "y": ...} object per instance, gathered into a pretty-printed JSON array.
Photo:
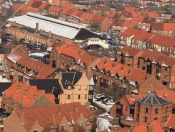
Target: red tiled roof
[
  {"x": 153, "y": 14},
  {"x": 113, "y": 67},
  {"x": 171, "y": 121},
  {"x": 144, "y": 127},
  {"x": 112, "y": 15},
  {"x": 131, "y": 98},
  {"x": 43, "y": 5},
  {"x": 162, "y": 41},
  {"x": 137, "y": 34},
  {"x": 54, "y": 9},
  {"x": 67, "y": 5},
  {"x": 49, "y": 115},
  {"x": 87, "y": 16},
  {"x": 36, "y": 4},
  {"x": 98, "y": 19},
  {"x": 65, "y": 10},
  {"x": 18, "y": 91},
  {"x": 75, "y": 12},
  {"x": 130, "y": 51}
]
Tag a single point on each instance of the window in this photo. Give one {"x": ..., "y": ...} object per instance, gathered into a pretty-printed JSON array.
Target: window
[
  {"x": 128, "y": 58},
  {"x": 166, "y": 108},
  {"x": 35, "y": 131},
  {"x": 145, "y": 119},
  {"x": 68, "y": 96},
  {"x": 79, "y": 96},
  {"x": 80, "y": 124},
  {"x": 143, "y": 68},
  {"x": 126, "y": 108},
  {"x": 85, "y": 96},
  {"x": 86, "y": 87},
  {"x": 165, "y": 75},
  {"x": 156, "y": 110},
  {"x": 155, "y": 118},
  {"x": 146, "y": 110},
  {"x": 63, "y": 128},
  {"x": 79, "y": 87}
]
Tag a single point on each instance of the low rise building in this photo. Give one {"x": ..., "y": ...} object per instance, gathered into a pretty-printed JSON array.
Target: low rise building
[{"x": 69, "y": 117}]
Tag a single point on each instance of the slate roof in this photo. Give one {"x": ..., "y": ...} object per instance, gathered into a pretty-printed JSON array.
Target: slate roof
[
  {"x": 153, "y": 99},
  {"x": 55, "y": 72},
  {"x": 46, "y": 84},
  {"x": 84, "y": 34},
  {"x": 4, "y": 86},
  {"x": 73, "y": 76}
]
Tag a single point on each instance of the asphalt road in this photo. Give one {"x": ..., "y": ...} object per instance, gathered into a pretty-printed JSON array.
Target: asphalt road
[{"x": 99, "y": 110}]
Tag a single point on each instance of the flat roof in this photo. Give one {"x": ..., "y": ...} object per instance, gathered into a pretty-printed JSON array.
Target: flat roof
[{"x": 57, "y": 27}]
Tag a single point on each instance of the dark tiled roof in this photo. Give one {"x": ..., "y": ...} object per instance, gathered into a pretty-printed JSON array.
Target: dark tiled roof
[
  {"x": 4, "y": 86},
  {"x": 153, "y": 99},
  {"x": 73, "y": 76},
  {"x": 84, "y": 34},
  {"x": 55, "y": 72},
  {"x": 46, "y": 84}
]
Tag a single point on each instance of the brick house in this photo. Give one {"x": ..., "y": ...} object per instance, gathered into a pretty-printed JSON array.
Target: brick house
[
  {"x": 135, "y": 38},
  {"x": 145, "y": 24},
  {"x": 101, "y": 10},
  {"x": 22, "y": 68},
  {"x": 63, "y": 57},
  {"x": 54, "y": 11},
  {"x": 144, "y": 40},
  {"x": 65, "y": 117},
  {"x": 115, "y": 79},
  {"x": 128, "y": 56},
  {"x": 102, "y": 22},
  {"x": 143, "y": 109},
  {"x": 76, "y": 88},
  {"x": 20, "y": 96},
  {"x": 164, "y": 29}
]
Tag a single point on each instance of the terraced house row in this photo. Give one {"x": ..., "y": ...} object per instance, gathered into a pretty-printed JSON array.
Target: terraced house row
[
  {"x": 153, "y": 63},
  {"x": 144, "y": 40},
  {"x": 110, "y": 77}
]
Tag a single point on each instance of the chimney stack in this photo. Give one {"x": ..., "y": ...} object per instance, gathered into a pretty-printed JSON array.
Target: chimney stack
[
  {"x": 35, "y": 96},
  {"x": 18, "y": 87},
  {"x": 37, "y": 26},
  {"x": 150, "y": 127},
  {"x": 26, "y": 92},
  {"x": 76, "y": 109},
  {"x": 59, "y": 112}
]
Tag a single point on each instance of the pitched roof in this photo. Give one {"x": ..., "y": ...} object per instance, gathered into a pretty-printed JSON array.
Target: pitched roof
[
  {"x": 4, "y": 86},
  {"x": 24, "y": 94},
  {"x": 137, "y": 34},
  {"x": 54, "y": 9},
  {"x": 36, "y": 4},
  {"x": 144, "y": 127},
  {"x": 43, "y": 5},
  {"x": 162, "y": 41},
  {"x": 98, "y": 19},
  {"x": 170, "y": 123},
  {"x": 70, "y": 77},
  {"x": 153, "y": 99},
  {"x": 46, "y": 84},
  {"x": 127, "y": 50},
  {"x": 87, "y": 16},
  {"x": 49, "y": 115},
  {"x": 112, "y": 15},
  {"x": 74, "y": 12}
]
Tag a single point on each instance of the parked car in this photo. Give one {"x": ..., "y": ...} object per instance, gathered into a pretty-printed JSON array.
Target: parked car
[
  {"x": 24, "y": 41},
  {"x": 105, "y": 100},
  {"x": 8, "y": 36},
  {"x": 91, "y": 107},
  {"x": 110, "y": 102}
]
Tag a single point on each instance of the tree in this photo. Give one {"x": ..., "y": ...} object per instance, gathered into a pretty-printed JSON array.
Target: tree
[{"x": 95, "y": 27}]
